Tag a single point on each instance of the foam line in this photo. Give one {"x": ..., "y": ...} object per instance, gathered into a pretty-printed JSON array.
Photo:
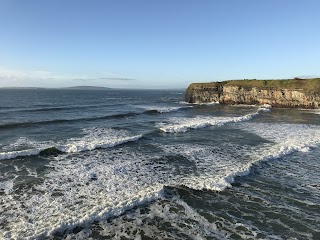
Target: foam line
[
  {"x": 161, "y": 109},
  {"x": 184, "y": 124},
  {"x": 97, "y": 214},
  {"x": 207, "y": 104},
  {"x": 22, "y": 153},
  {"x": 78, "y": 189},
  {"x": 316, "y": 112},
  {"x": 87, "y": 145},
  {"x": 93, "y": 139},
  {"x": 289, "y": 139},
  {"x": 218, "y": 169}
]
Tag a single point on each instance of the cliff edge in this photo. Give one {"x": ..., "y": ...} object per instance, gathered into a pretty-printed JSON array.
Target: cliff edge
[{"x": 290, "y": 93}]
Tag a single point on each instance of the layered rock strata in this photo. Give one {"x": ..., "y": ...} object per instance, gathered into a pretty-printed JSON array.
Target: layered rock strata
[{"x": 293, "y": 93}]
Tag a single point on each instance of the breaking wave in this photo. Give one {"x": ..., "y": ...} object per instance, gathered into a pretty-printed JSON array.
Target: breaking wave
[
  {"x": 184, "y": 124},
  {"x": 315, "y": 112},
  {"x": 207, "y": 104},
  {"x": 161, "y": 109},
  {"x": 286, "y": 138},
  {"x": 94, "y": 138},
  {"x": 91, "y": 186}
]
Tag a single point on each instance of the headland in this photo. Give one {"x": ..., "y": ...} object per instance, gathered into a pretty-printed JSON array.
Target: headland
[{"x": 286, "y": 93}]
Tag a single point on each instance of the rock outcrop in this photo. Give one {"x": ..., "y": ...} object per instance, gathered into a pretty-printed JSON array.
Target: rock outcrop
[{"x": 292, "y": 93}]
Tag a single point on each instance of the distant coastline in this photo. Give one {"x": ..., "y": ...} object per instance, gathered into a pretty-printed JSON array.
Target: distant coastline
[
  {"x": 87, "y": 88},
  {"x": 66, "y": 88}
]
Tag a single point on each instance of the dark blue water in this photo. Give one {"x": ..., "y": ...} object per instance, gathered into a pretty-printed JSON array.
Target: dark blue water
[{"x": 142, "y": 164}]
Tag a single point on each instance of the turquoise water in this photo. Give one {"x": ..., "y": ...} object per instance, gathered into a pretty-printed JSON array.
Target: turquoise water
[{"x": 146, "y": 165}]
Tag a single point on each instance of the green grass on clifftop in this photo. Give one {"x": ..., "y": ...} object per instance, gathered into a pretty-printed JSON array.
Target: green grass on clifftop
[{"x": 309, "y": 85}]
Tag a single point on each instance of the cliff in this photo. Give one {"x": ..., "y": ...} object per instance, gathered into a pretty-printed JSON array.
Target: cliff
[{"x": 292, "y": 93}]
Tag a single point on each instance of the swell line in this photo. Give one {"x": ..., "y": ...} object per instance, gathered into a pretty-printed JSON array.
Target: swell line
[
  {"x": 31, "y": 124},
  {"x": 57, "y": 108},
  {"x": 152, "y": 111}
]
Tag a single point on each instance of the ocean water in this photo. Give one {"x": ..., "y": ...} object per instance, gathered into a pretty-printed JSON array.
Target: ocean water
[{"x": 143, "y": 164}]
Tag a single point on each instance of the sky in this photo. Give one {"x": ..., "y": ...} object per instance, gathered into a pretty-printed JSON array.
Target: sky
[{"x": 156, "y": 44}]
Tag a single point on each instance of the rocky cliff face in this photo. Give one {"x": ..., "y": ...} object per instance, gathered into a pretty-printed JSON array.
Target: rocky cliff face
[
  {"x": 204, "y": 92},
  {"x": 277, "y": 93}
]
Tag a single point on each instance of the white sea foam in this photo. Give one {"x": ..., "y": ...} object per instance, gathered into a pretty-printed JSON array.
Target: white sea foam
[
  {"x": 182, "y": 219},
  {"x": 313, "y": 111},
  {"x": 93, "y": 138},
  {"x": 6, "y": 186},
  {"x": 218, "y": 169},
  {"x": 21, "y": 153},
  {"x": 185, "y": 103},
  {"x": 80, "y": 189},
  {"x": 286, "y": 138},
  {"x": 24, "y": 143},
  {"x": 184, "y": 124},
  {"x": 243, "y": 105},
  {"x": 316, "y": 111},
  {"x": 213, "y": 165},
  {"x": 95, "y": 185},
  {"x": 97, "y": 138},
  {"x": 24, "y": 147},
  {"x": 161, "y": 109},
  {"x": 265, "y": 108},
  {"x": 215, "y": 170},
  {"x": 206, "y": 104}
]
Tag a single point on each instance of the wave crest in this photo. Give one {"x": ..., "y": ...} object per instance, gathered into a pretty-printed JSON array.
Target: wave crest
[
  {"x": 184, "y": 124},
  {"x": 162, "y": 109},
  {"x": 94, "y": 138}
]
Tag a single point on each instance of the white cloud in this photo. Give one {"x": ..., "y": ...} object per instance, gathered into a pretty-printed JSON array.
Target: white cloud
[
  {"x": 11, "y": 74},
  {"x": 41, "y": 78}
]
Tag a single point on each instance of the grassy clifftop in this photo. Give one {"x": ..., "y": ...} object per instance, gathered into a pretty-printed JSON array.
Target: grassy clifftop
[{"x": 308, "y": 85}]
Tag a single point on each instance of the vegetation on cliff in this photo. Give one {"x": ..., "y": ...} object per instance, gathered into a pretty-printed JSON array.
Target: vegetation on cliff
[
  {"x": 296, "y": 92},
  {"x": 308, "y": 85}
]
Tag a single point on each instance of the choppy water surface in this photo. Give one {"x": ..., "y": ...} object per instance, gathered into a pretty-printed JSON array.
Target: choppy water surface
[{"x": 145, "y": 165}]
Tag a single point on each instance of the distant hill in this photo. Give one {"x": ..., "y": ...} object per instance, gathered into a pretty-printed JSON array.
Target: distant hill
[
  {"x": 70, "y": 88},
  {"x": 87, "y": 88}
]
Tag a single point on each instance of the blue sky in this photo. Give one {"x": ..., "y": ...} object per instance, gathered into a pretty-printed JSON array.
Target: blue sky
[{"x": 156, "y": 44}]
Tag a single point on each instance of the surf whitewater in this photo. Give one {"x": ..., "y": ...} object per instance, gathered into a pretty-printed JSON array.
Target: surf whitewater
[
  {"x": 163, "y": 170},
  {"x": 94, "y": 138}
]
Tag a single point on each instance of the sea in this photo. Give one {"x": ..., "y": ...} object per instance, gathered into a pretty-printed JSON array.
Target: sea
[{"x": 144, "y": 164}]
